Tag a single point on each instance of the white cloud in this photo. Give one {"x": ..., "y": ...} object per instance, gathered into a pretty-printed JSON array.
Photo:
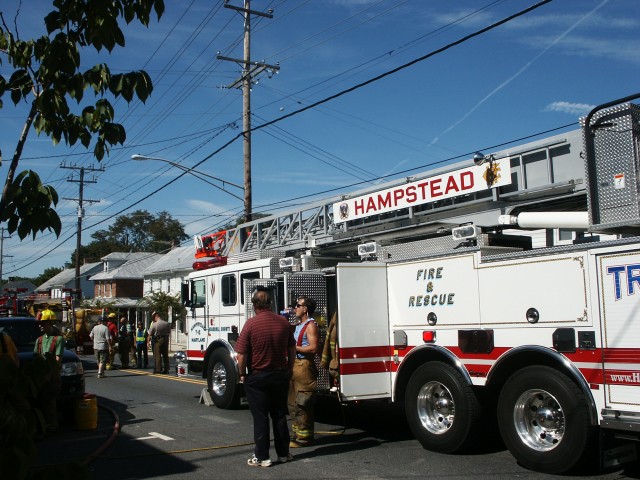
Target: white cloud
[
  {"x": 198, "y": 205},
  {"x": 592, "y": 47},
  {"x": 575, "y": 109}
]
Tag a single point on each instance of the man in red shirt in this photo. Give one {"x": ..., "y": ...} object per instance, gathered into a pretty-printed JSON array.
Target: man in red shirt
[
  {"x": 267, "y": 342},
  {"x": 113, "y": 331}
]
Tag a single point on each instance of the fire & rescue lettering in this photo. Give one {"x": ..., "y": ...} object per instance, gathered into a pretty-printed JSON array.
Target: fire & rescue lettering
[
  {"x": 632, "y": 273},
  {"x": 431, "y": 298}
]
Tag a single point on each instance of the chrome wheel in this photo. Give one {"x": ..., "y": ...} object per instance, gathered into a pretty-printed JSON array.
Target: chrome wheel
[
  {"x": 435, "y": 407},
  {"x": 219, "y": 379},
  {"x": 539, "y": 420}
]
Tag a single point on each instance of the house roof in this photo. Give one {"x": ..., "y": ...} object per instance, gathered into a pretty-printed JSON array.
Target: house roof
[
  {"x": 177, "y": 260},
  {"x": 68, "y": 275},
  {"x": 19, "y": 284},
  {"x": 135, "y": 263}
]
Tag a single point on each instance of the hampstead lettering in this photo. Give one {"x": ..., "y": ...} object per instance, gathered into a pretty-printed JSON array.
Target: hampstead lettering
[
  {"x": 439, "y": 187},
  {"x": 414, "y": 193}
]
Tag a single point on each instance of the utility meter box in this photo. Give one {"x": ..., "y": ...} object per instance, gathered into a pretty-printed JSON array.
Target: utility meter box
[{"x": 611, "y": 146}]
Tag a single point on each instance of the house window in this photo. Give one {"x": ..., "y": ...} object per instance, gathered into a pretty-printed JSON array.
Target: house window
[{"x": 228, "y": 287}]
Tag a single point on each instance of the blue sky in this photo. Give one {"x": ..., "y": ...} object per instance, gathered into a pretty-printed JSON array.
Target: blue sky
[{"x": 538, "y": 72}]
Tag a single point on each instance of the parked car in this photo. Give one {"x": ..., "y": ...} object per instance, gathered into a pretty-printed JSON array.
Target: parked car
[{"x": 24, "y": 332}]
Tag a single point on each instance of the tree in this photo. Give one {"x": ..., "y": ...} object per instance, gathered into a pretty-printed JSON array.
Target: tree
[
  {"x": 139, "y": 231},
  {"x": 46, "y": 75},
  {"x": 46, "y": 275},
  {"x": 161, "y": 301}
]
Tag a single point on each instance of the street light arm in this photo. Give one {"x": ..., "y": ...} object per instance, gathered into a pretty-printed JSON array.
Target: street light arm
[{"x": 194, "y": 172}]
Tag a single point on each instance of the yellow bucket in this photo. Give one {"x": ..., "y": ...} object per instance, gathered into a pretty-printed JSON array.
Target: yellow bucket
[{"x": 86, "y": 413}]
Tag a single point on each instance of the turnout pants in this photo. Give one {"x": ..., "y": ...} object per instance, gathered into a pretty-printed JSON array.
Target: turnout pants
[{"x": 302, "y": 398}]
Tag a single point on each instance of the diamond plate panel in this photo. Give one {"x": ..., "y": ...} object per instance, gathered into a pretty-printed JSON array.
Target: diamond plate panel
[{"x": 613, "y": 191}]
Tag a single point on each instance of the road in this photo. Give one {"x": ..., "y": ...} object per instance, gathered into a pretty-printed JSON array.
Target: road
[{"x": 167, "y": 433}]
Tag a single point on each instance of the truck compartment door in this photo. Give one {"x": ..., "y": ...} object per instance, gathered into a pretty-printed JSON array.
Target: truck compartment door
[
  {"x": 363, "y": 331},
  {"x": 619, "y": 278}
]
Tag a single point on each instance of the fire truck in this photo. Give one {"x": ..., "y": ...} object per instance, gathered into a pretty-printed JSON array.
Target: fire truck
[{"x": 497, "y": 294}]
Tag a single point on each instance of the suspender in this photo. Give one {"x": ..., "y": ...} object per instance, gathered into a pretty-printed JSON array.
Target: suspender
[{"x": 52, "y": 347}]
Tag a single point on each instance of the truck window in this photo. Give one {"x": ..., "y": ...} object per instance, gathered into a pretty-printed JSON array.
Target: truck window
[
  {"x": 243, "y": 277},
  {"x": 228, "y": 288},
  {"x": 199, "y": 297}
]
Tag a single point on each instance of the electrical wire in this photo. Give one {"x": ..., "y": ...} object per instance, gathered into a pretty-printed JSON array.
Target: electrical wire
[{"x": 321, "y": 102}]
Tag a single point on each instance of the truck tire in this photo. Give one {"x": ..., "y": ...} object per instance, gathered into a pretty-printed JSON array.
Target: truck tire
[
  {"x": 442, "y": 410},
  {"x": 544, "y": 421},
  {"x": 222, "y": 380}
]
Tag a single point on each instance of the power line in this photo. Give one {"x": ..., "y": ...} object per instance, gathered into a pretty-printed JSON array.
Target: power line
[{"x": 327, "y": 99}]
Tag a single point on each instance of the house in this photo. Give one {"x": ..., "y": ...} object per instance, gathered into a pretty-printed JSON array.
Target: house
[
  {"x": 57, "y": 287},
  {"x": 17, "y": 286},
  {"x": 120, "y": 283},
  {"x": 168, "y": 273}
]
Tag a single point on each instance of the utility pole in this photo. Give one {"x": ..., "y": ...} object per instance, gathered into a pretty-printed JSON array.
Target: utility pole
[
  {"x": 2, "y": 255},
  {"x": 81, "y": 181},
  {"x": 250, "y": 70}
]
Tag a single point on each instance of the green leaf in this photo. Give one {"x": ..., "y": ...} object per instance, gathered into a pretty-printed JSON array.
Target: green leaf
[
  {"x": 98, "y": 149},
  {"x": 144, "y": 87}
]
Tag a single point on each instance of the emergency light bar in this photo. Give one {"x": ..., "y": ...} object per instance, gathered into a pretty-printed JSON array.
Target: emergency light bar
[
  {"x": 465, "y": 232},
  {"x": 369, "y": 248}
]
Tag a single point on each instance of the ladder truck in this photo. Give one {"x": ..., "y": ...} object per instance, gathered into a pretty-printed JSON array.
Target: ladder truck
[{"x": 503, "y": 290}]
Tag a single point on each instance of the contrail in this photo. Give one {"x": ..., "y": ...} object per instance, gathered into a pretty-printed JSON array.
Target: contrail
[{"x": 519, "y": 72}]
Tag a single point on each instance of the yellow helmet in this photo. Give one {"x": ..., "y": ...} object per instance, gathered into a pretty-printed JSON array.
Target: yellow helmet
[
  {"x": 111, "y": 315},
  {"x": 47, "y": 315}
]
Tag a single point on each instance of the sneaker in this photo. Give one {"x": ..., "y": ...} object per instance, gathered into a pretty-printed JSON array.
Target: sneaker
[
  {"x": 288, "y": 458},
  {"x": 254, "y": 462}
]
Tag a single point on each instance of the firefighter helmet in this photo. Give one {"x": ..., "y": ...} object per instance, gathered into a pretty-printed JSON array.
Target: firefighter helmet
[{"x": 47, "y": 315}]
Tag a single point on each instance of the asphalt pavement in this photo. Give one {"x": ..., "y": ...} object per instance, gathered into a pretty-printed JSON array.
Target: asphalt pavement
[{"x": 76, "y": 441}]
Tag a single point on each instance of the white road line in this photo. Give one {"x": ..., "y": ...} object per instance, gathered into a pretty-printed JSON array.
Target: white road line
[{"x": 153, "y": 435}]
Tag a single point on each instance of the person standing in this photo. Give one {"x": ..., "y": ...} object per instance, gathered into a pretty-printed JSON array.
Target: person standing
[
  {"x": 141, "y": 338},
  {"x": 302, "y": 389},
  {"x": 51, "y": 346},
  {"x": 267, "y": 349},
  {"x": 113, "y": 331},
  {"x": 101, "y": 341},
  {"x": 124, "y": 342},
  {"x": 160, "y": 331}
]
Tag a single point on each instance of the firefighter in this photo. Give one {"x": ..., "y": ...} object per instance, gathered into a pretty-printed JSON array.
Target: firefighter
[
  {"x": 124, "y": 342},
  {"x": 141, "y": 346},
  {"x": 330, "y": 356},
  {"x": 302, "y": 388},
  {"x": 51, "y": 346},
  {"x": 113, "y": 331}
]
